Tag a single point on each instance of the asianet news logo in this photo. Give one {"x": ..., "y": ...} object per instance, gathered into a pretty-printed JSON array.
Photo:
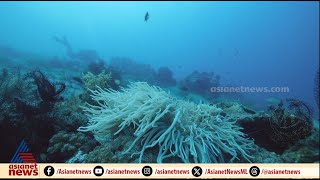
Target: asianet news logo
[
  {"x": 27, "y": 164},
  {"x": 23, "y": 170}
]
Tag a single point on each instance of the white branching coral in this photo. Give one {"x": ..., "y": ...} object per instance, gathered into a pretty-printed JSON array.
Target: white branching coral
[{"x": 193, "y": 132}]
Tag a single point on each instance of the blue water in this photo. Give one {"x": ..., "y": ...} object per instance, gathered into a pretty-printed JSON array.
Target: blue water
[{"x": 247, "y": 43}]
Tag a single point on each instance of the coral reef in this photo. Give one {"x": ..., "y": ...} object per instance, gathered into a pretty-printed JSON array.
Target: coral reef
[
  {"x": 64, "y": 145},
  {"x": 36, "y": 130},
  {"x": 262, "y": 155},
  {"x": 290, "y": 124},
  {"x": 96, "y": 67},
  {"x": 174, "y": 128},
  {"x": 14, "y": 125},
  {"x": 258, "y": 128},
  {"x": 201, "y": 83},
  {"x": 132, "y": 70},
  {"x": 116, "y": 78},
  {"x": 139, "y": 122},
  {"x": 69, "y": 115},
  {"x": 235, "y": 110},
  {"x": 304, "y": 151},
  {"x": 47, "y": 93},
  {"x": 164, "y": 77},
  {"x": 92, "y": 81},
  {"x": 108, "y": 78},
  {"x": 26, "y": 109},
  {"x": 105, "y": 154},
  {"x": 80, "y": 157},
  {"x": 283, "y": 125},
  {"x": 111, "y": 148},
  {"x": 12, "y": 86}
]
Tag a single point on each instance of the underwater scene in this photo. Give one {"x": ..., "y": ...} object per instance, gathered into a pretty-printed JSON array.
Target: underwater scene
[{"x": 160, "y": 82}]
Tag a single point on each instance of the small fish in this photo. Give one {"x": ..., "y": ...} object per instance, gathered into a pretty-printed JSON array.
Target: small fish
[{"x": 146, "y": 17}]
